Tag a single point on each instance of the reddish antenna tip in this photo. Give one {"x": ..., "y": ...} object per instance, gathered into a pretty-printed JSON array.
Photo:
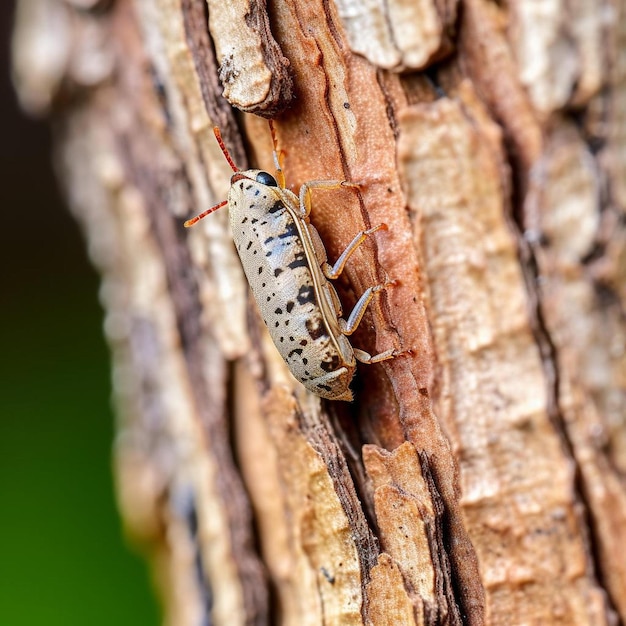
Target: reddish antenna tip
[
  {"x": 222, "y": 145},
  {"x": 197, "y": 218}
]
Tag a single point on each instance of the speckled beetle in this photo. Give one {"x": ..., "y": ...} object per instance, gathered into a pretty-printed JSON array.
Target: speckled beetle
[{"x": 285, "y": 263}]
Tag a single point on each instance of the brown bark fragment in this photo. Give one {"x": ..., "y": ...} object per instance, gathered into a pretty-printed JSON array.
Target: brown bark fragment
[
  {"x": 588, "y": 339},
  {"x": 221, "y": 283},
  {"x": 385, "y": 32},
  {"x": 206, "y": 68},
  {"x": 408, "y": 516},
  {"x": 546, "y": 58},
  {"x": 487, "y": 57},
  {"x": 253, "y": 70},
  {"x": 390, "y": 603},
  {"x": 323, "y": 529},
  {"x": 515, "y": 504}
]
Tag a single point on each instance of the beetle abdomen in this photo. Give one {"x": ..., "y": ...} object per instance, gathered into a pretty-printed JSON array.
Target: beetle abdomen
[{"x": 281, "y": 280}]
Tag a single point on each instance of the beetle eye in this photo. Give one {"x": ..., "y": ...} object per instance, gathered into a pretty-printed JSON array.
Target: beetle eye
[{"x": 266, "y": 179}]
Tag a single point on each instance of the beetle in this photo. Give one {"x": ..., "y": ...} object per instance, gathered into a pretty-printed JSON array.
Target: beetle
[{"x": 286, "y": 265}]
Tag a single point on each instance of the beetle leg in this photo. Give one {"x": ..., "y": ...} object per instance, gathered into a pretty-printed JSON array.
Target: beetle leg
[
  {"x": 278, "y": 159},
  {"x": 305, "y": 191},
  {"x": 278, "y": 155},
  {"x": 332, "y": 298},
  {"x": 335, "y": 271},
  {"x": 348, "y": 327},
  {"x": 368, "y": 359}
]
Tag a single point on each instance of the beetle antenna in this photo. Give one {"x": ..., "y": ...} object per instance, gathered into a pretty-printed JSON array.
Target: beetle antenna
[
  {"x": 278, "y": 155},
  {"x": 195, "y": 220},
  {"x": 220, "y": 141}
]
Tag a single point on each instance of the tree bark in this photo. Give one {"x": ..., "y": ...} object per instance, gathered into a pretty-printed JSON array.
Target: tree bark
[{"x": 479, "y": 477}]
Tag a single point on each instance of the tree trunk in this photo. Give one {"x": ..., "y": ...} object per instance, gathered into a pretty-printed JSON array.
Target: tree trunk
[{"x": 479, "y": 476}]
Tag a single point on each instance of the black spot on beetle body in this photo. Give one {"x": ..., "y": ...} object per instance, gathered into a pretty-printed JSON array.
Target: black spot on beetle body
[
  {"x": 315, "y": 328},
  {"x": 291, "y": 230},
  {"x": 268, "y": 240},
  {"x": 306, "y": 295},
  {"x": 297, "y": 263},
  {"x": 290, "y": 306},
  {"x": 261, "y": 270},
  {"x": 297, "y": 351},
  {"x": 278, "y": 271},
  {"x": 249, "y": 245},
  {"x": 278, "y": 311},
  {"x": 332, "y": 365}
]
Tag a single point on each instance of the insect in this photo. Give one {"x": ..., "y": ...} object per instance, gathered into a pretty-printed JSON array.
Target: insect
[{"x": 286, "y": 265}]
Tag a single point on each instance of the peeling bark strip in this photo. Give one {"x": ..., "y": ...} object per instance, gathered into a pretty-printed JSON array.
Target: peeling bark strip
[
  {"x": 477, "y": 479},
  {"x": 194, "y": 14},
  {"x": 398, "y": 35},
  {"x": 326, "y": 522},
  {"x": 253, "y": 70},
  {"x": 408, "y": 515},
  {"x": 486, "y": 345}
]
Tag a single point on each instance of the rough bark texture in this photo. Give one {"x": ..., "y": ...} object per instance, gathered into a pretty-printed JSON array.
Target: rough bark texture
[{"x": 479, "y": 477}]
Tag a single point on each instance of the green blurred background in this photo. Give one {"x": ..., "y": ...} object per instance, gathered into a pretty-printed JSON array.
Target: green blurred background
[{"x": 62, "y": 556}]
